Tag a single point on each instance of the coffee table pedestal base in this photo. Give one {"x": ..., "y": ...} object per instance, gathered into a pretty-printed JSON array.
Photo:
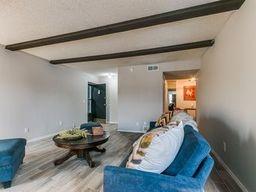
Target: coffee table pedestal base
[{"x": 80, "y": 153}]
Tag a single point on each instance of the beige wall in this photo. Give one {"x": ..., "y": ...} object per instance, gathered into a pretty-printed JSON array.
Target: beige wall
[
  {"x": 180, "y": 102},
  {"x": 227, "y": 94},
  {"x": 140, "y": 93},
  {"x": 38, "y": 96}
]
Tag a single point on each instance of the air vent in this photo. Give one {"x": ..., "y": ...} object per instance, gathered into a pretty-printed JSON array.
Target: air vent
[{"x": 153, "y": 68}]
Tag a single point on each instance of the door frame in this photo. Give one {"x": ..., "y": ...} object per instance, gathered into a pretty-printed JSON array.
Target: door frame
[{"x": 88, "y": 99}]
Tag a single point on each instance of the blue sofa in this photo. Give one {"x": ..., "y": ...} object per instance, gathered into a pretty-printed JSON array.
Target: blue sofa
[
  {"x": 12, "y": 152},
  {"x": 188, "y": 172}
]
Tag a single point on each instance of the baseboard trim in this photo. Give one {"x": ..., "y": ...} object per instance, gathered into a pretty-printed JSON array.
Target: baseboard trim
[
  {"x": 41, "y": 138},
  {"x": 234, "y": 177},
  {"x": 129, "y": 131},
  {"x": 111, "y": 122}
]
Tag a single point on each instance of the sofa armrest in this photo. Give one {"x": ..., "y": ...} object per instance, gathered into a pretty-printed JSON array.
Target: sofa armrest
[
  {"x": 118, "y": 179},
  {"x": 204, "y": 170}
]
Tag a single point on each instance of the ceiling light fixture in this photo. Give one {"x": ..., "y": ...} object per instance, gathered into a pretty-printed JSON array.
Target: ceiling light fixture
[{"x": 193, "y": 79}]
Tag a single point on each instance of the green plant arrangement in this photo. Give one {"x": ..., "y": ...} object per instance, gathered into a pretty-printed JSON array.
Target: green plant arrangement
[{"x": 73, "y": 134}]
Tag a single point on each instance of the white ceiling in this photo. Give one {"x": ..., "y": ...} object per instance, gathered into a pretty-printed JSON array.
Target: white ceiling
[
  {"x": 25, "y": 20},
  {"x": 162, "y": 35},
  {"x": 98, "y": 67}
]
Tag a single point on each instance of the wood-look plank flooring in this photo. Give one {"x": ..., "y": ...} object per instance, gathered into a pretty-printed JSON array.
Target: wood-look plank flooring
[{"x": 38, "y": 173}]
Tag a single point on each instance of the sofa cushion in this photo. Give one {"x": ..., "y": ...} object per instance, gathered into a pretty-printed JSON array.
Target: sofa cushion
[
  {"x": 10, "y": 150},
  {"x": 192, "y": 152}
]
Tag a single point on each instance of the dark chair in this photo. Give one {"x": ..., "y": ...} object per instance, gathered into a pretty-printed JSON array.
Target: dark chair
[{"x": 88, "y": 126}]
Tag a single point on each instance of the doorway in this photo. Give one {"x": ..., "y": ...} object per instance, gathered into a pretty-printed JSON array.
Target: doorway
[
  {"x": 180, "y": 91},
  {"x": 96, "y": 102}
]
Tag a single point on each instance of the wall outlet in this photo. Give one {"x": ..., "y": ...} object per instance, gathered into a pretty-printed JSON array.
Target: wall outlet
[
  {"x": 137, "y": 124},
  {"x": 224, "y": 146},
  {"x": 60, "y": 123},
  {"x": 26, "y": 130}
]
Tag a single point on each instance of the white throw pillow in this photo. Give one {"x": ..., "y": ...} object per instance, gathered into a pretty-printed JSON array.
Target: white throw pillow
[
  {"x": 163, "y": 146},
  {"x": 185, "y": 118}
]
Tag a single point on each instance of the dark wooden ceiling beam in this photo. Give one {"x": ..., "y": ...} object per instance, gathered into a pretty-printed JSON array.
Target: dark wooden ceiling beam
[
  {"x": 172, "y": 48},
  {"x": 172, "y": 16}
]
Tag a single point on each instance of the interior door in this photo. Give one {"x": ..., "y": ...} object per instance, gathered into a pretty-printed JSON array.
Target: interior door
[
  {"x": 97, "y": 102},
  {"x": 99, "y": 96}
]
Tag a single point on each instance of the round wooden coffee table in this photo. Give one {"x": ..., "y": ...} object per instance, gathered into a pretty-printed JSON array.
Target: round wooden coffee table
[{"x": 81, "y": 147}]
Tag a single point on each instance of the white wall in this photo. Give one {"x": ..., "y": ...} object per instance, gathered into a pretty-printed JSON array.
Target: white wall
[
  {"x": 227, "y": 92},
  {"x": 37, "y": 95},
  {"x": 140, "y": 93},
  {"x": 111, "y": 97}
]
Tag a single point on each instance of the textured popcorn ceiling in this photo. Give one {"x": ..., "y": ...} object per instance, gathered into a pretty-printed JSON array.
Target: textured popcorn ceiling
[{"x": 25, "y": 20}]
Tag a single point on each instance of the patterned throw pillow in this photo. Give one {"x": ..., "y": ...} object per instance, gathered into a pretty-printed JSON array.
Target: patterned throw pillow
[
  {"x": 156, "y": 150},
  {"x": 167, "y": 117},
  {"x": 162, "y": 121}
]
